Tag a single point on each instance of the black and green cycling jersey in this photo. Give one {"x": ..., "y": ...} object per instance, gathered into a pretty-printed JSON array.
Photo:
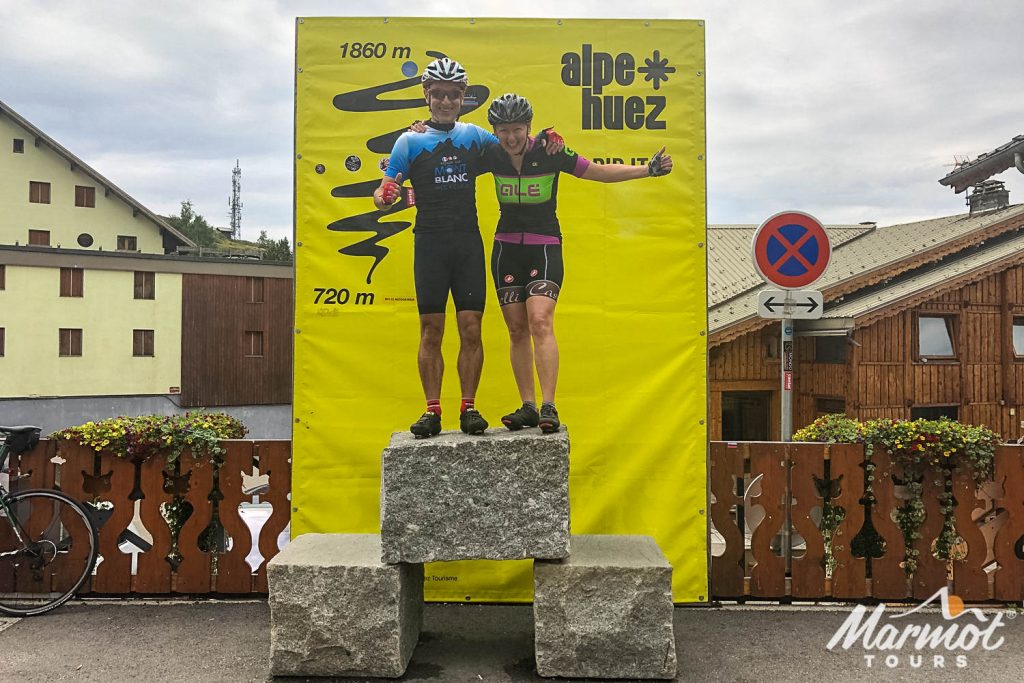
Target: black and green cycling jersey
[{"x": 528, "y": 198}]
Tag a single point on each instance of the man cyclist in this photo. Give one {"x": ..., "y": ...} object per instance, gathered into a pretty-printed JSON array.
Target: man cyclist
[
  {"x": 526, "y": 260},
  {"x": 442, "y": 165}
]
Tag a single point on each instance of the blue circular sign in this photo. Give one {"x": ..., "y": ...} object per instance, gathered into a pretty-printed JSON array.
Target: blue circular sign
[{"x": 791, "y": 250}]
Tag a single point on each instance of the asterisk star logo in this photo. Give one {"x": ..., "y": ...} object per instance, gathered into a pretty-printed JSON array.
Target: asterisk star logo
[{"x": 657, "y": 69}]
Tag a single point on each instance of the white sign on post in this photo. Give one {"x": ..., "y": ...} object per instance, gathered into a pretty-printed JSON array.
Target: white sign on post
[{"x": 803, "y": 304}]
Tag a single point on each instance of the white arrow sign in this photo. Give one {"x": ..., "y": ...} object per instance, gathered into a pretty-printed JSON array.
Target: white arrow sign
[{"x": 805, "y": 304}]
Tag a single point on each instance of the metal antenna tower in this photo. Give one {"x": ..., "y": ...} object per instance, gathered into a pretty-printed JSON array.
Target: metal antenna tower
[{"x": 235, "y": 203}]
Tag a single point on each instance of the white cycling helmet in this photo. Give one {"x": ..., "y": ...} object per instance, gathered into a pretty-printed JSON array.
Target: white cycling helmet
[{"x": 444, "y": 69}]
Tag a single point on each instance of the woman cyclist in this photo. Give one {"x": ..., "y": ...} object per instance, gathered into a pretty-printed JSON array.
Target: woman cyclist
[{"x": 526, "y": 261}]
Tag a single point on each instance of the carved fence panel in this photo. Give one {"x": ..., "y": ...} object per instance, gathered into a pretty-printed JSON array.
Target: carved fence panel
[
  {"x": 189, "y": 528},
  {"x": 769, "y": 502},
  {"x": 194, "y": 529}
]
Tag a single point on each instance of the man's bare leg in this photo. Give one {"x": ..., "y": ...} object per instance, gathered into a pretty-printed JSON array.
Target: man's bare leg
[
  {"x": 471, "y": 363},
  {"x": 471, "y": 351},
  {"x": 431, "y": 367},
  {"x": 431, "y": 363},
  {"x": 520, "y": 350}
]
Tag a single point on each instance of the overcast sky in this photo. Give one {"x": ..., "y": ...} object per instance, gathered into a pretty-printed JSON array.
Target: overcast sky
[{"x": 850, "y": 111}]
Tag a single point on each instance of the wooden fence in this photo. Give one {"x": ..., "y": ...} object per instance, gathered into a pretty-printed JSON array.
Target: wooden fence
[
  {"x": 778, "y": 551},
  {"x": 766, "y": 508},
  {"x": 139, "y": 506}
]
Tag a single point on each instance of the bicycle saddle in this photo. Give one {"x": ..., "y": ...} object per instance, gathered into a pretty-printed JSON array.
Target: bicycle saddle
[
  {"x": 21, "y": 439},
  {"x": 23, "y": 429}
]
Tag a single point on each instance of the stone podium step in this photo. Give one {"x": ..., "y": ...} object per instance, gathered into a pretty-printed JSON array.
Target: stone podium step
[
  {"x": 605, "y": 611},
  {"x": 336, "y": 610},
  {"x": 498, "y": 496}
]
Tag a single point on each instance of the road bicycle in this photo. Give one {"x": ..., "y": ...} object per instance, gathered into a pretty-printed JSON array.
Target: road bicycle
[{"x": 48, "y": 541}]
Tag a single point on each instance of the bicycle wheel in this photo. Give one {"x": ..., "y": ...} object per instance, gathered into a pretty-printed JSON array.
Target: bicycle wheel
[{"x": 48, "y": 547}]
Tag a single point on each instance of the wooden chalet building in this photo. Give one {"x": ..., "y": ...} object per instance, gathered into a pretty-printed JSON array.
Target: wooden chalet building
[{"x": 920, "y": 320}]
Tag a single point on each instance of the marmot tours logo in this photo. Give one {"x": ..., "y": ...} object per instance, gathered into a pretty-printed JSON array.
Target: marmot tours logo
[
  {"x": 903, "y": 641},
  {"x": 592, "y": 72}
]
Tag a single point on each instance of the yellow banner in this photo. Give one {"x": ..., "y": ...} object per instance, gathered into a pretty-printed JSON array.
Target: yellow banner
[{"x": 631, "y": 319}]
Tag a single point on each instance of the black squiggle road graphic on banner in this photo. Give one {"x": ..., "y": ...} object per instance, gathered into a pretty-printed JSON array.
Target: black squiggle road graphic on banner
[
  {"x": 368, "y": 100},
  {"x": 367, "y": 222}
]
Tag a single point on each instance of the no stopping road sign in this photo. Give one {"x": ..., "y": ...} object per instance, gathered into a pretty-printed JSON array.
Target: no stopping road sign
[{"x": 791, "y": 250}]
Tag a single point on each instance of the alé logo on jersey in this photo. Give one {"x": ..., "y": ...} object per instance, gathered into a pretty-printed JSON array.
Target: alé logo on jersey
[
  {"x": 595, "y": 71},
  {"x": 905, "y": 639},
  {"x": 524, "y": 190}
]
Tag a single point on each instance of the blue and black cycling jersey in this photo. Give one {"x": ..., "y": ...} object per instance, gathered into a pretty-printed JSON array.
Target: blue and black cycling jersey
[
  {"x": 442, "y": 165},
  {"x": 528, "y": 198}
]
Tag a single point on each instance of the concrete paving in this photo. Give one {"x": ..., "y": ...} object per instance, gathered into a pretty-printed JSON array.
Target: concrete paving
[{"x": 229, "y": 641}]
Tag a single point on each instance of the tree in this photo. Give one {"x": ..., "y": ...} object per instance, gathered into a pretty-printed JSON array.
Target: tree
[
  {"x": 193, "y": 226},
  {"x": 274, "y": 250}
]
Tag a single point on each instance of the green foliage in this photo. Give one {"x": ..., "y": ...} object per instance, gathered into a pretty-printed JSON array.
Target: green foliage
[
  {"x": 150, "y": 435},
  {"x": 833, "y": 428},
  {"x": 831, "y": 517},
  {"x": 910, "y": 516},
  {"x": 274, "y": 250},
  {"x": 920, "y": 448},
  {"x": 194, "y": 226},
  {"x": 937, "y": 444}
]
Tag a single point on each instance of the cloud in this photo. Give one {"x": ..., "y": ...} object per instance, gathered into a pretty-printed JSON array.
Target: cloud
[{"x": 847, "y": 110}]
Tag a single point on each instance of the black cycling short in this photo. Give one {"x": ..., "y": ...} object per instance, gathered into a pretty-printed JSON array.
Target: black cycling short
[
  {"x": 520, "y": 271},
  {"x": 449, "y": 261}
]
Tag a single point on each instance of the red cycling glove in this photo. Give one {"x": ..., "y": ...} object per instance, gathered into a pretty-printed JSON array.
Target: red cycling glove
[
  {"x": 551, "y": 136},
  {"x": 390, "y": 192}
]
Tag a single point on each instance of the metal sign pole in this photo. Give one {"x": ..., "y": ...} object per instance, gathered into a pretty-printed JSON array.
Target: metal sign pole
[
  {"x": 790, "y": 250},
  {"x": 787, "y": 379},
  {"x": 787, "y": 432}
]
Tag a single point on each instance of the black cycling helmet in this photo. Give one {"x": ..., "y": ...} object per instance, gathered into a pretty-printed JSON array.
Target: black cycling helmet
[
  {"x": 444, "y": 69},
  {"x": 509, "y": 108}
]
